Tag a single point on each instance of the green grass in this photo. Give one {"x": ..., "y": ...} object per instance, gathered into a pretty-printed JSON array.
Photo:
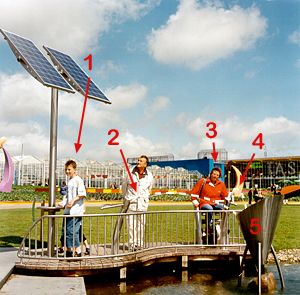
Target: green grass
[{"x": 14, "y": 223}]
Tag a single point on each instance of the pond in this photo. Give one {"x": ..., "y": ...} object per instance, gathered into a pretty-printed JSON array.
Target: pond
[{"x": 170, "y": 279}]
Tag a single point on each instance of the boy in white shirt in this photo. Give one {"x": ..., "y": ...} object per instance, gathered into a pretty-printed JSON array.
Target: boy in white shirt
[{"x": 74, "y": 206}]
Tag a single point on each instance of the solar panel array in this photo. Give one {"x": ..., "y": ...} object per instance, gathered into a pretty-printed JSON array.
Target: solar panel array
[
  {"x": 35, "y": 62},
  {"x": 74, "y": 74}
]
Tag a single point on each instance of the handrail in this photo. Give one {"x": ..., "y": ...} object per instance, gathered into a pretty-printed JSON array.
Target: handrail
[{"x": 155, "y": 230}]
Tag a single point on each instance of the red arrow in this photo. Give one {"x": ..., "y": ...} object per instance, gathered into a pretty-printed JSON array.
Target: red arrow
[
  {"x": 214, "y": 154},
  {"x": 133, "y": 184},
  {"x": 243, "y": 177},
  {"x": 78, "y": 144}
]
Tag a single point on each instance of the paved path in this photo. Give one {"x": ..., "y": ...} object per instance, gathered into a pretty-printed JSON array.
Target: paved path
[
  {"x": 8, "y": 257},
  {"x": 29, "y": 285},
  {"x": 18, "y": 284}
]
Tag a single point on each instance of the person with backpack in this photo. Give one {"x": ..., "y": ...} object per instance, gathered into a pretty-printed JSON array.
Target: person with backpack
[{"x": 208, "y": 191}]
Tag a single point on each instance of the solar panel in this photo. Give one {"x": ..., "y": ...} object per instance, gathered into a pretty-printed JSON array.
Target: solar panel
[
  {"x": 74, "y": 75},
  {"x": 34, "y": 62}
]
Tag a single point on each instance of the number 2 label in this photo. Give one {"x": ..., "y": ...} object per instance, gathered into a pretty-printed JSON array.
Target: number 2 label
[{"x": 112, "y": 141}]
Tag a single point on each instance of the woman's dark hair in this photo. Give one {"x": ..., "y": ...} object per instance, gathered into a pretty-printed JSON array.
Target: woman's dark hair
[{"x": 216, "y": 169}]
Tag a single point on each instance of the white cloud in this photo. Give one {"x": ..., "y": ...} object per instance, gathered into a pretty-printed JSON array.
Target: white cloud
[
  {"x": 279, "y": 134},
  {"x": 160, "y": 103},
  {"x": 295, "y": 37},
  {"x": 132, "y": 146},
  {"x": 199, "y": 34},
  {"x": 22, "y": 97},
  {"x": 206, "y": 143},
  {"x": 25, "y": 115},
  {"x": 297, "y": 64},
  {"x": 110, "y": 67},
  {"x": 197, "y": 127},
  {"x": 124, "y": 97},
  {"x": 73, "y": 27},
  {"x": 237, "y": 130},
  {"x": 250, "y": 74},
  {"x": 258, "y": 59},
  {"x": 34, "y": 136},
  {"x": 26, "y": 98},
  {"x": 234, "y": 154},
  {"x": 101, "y": 115},
  {"x": 188, "y": 151}
]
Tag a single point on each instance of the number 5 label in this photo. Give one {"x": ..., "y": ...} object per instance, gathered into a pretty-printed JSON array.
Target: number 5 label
[{"x": 252, "y": 224}]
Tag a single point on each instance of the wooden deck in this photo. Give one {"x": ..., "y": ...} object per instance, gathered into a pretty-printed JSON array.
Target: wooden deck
[{"x": 216, "y": 257}]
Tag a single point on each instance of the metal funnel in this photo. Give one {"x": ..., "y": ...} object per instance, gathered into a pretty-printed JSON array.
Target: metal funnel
[{"x": 258, "y": 223}]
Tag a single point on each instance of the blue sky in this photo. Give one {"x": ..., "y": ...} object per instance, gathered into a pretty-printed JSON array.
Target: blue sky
[{"x": 169, "y": 67}]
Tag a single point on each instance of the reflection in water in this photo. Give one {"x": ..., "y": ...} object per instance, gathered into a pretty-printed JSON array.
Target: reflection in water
[{"x": 170, "y": 279}]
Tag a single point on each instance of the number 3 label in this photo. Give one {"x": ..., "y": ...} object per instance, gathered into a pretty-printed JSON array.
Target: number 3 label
[
  {"x": 252, "y": 224},
  {"x": 213, "y": 129}
]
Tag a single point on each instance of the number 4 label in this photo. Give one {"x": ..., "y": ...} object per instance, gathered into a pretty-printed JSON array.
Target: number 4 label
[{"x": 258, "y": 141}]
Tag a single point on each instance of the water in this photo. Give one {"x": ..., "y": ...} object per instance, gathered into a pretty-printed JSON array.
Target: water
[{"x": 170, "y": 280}]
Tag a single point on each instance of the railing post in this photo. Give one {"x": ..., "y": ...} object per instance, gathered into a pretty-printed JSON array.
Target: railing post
[{"x": 42, "y": 214}]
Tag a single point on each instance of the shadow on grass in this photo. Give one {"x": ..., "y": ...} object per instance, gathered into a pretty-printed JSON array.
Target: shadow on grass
[
  {"x": 14, "y": 241},
  {"x": 10, "y": 241}
]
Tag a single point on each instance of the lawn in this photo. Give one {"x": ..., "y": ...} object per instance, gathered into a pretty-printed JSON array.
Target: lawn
[{"x": 14, "y": 223}]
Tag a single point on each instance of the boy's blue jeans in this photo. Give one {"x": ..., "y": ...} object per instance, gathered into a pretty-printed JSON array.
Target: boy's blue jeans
[
  {"x": 70, "y": 231},
  {"x": 209, "y": 207}
]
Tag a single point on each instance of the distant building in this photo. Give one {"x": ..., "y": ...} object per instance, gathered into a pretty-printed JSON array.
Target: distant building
[
  {"x": 207, "y": 154},
  {"x": 266, "y": 171},
  {"x": 167, "y": 157}
]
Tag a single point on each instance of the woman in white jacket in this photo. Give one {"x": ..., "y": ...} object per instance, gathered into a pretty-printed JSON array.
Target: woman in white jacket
[{"x": 139, "y": 200}]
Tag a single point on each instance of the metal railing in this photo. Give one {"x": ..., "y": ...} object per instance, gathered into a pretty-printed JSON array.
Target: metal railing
[{"x": 115, "y": 235}]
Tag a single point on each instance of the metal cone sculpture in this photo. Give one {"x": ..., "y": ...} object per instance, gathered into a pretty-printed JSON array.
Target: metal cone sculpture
[{"x": 258, "y": 223}]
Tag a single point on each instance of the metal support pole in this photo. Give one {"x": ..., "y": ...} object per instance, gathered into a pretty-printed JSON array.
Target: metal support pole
[
  {"x": 53, "y": 147},
  {"x": 52, "y": 168},
  {"x": 259, "y": 268},
  {"x": 198, "y": 226},
  {"x": 278, "y": 268},
  {"x": 242, "y": 267}
]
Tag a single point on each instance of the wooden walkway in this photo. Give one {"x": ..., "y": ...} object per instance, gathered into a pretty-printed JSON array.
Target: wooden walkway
[{"x": 89, "y": 265}]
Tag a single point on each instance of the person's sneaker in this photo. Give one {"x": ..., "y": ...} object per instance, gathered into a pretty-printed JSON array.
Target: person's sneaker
[
  {"x": 87, "y": 251},
  {"x": 77, "y": 254},
  {"x": 69, "y": 254},
  {"x": 60, "y": 250}
]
